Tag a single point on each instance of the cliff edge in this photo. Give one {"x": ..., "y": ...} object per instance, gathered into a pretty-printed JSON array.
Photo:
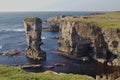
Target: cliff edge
[{"x": 95, "y": 35}]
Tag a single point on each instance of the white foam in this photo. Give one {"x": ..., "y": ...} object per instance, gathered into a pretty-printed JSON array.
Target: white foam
[
  {"x": 1, "y": 47},
  {"x": 14, "y": 28},
  {"x": 43, "y": 37}
]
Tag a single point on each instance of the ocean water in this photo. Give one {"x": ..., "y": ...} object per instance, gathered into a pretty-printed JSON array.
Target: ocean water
[{"x": 12, "y": 36}]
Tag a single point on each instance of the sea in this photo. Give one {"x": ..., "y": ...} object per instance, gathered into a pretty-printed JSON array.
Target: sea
[{"x": 12, "y": 36}]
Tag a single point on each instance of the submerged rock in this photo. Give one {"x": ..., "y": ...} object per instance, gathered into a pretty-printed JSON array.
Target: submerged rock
[
  {"x": 12, "y": 52},
  {"x": 55, "y": 37},
  {"x": 26, "y": 66},
  {"x": 33, "y": 28},
  {"x": 49, "y": 67},
  {"x": 59, "y": 64}
]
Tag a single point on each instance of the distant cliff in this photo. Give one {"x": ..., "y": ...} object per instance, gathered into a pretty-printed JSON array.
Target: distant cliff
[
  {"x": 96, "y": 36},
  {"x": 54, "y": 22}
]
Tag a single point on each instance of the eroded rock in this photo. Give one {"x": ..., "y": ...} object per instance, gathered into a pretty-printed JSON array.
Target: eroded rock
[
  {"x": 80, "y": 39},
  {"x": 55, "y": 22},
  {"x": 112, "y": 38},
  {"x": 12, "y": 52},
  {"x": 33, "y": 28}
]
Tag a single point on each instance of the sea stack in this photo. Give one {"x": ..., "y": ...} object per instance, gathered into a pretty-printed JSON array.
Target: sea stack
[{"x": 33, "y": 28}]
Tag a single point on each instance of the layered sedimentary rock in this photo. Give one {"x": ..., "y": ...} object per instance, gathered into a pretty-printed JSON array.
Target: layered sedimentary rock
[
  {"x": 82, "y": 40},
  {"x": 54, "y": 22},
  {"x": 78, "y": 39},
  {"x": 33, "y": 27},
  {"x": 112, "y": 38}
]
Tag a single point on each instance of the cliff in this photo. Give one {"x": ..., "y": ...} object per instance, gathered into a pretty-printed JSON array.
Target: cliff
[
  {"x": 33, "y": 29},
  {"x": 96, "y": 36},
  {"x": 54, "y": 22}
]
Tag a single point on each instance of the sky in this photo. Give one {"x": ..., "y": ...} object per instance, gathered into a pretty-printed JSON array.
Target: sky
[{"x": 59, "y": 5}]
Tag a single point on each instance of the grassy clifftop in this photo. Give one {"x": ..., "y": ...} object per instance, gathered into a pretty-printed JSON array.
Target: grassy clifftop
[
  {"x": 105, "y": 20},
  {"x": 32, "y": 19},
  {"x": 12, "y": 73}
]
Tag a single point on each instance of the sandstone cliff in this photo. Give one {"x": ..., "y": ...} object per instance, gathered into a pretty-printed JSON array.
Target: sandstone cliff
[
  {"x": 55, "y": 22},
  {"x": 96, "y": 36},
  {"x": 33, "y": 28}
]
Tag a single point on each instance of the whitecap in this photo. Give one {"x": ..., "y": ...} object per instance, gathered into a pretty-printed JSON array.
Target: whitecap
[
  {"x": 43, "y": 37},
  {"x": 1, "y": 47},
  {"x": 13, "y": 30}
]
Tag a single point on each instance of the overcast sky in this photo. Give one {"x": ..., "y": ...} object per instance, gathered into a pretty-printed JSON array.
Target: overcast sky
[{"x": 59, "y": 5}]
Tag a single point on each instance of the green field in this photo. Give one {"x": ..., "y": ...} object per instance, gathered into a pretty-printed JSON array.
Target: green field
[
  {"x": 13, "y": 73},
  {"x": 104, "y": 20}
]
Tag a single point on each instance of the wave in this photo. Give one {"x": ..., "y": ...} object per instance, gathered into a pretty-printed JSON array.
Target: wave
[
  {"x": 43, "y": 37},
  {"x": 1, "y": 47},
  {"x": 12, "y": 30},
  {"x": 11, "y": 27}
]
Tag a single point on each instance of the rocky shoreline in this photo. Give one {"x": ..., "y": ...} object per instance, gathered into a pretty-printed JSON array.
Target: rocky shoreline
[
  {"x": 83, "y": 38},
  {"x": 80, "y": 38}
]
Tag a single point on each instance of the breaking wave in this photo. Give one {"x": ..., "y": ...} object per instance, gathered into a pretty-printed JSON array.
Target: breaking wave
[
  {"x": 12, "y": 30},
  {"x": 0, "y": 47},
  {"x": 43, "y": 37}
]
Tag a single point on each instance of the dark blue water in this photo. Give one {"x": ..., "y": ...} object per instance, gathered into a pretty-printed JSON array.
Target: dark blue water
[{"x": 12, "y": 36}]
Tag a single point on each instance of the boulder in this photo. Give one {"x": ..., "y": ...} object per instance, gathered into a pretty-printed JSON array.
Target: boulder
[
  {"x": 35, "y": 54},
  {"x": 12, "y": 52},
  {"x": 55, "y": 37}
]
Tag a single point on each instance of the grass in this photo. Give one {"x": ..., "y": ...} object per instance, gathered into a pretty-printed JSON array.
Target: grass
[
  {"x": 104, "y": 20},
  {"x": 13, "y": 73},
  {"x": 32, "y": 19}
]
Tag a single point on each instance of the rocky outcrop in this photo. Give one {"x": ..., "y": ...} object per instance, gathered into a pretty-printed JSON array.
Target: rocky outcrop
[
  {"x": 55, "y": 20},
  {"x": 35, "y": 54},
  {"x": 112, "y": 38},
  {"x": 80, "y": 39},
  {"x": 12, "y": 52},
  {"x": 27, "y": 66},
  {"x": 55, "y": 23},
  {"x": 33, "y": 28}
]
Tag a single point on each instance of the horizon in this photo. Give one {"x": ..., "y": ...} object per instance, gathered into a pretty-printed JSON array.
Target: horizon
[
  {"x": 59, "y": 11},
  {"x": 58, "y": 5}
]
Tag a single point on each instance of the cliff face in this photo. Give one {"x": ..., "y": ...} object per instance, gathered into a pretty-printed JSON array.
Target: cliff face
[
  {"x": 55, "y": 21},
  {"x": 79, "y": 39},
  {"x": 95, "y": 35},
  {"x": 112, "y": 38},
  {"x": 33, "y": 28}
]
